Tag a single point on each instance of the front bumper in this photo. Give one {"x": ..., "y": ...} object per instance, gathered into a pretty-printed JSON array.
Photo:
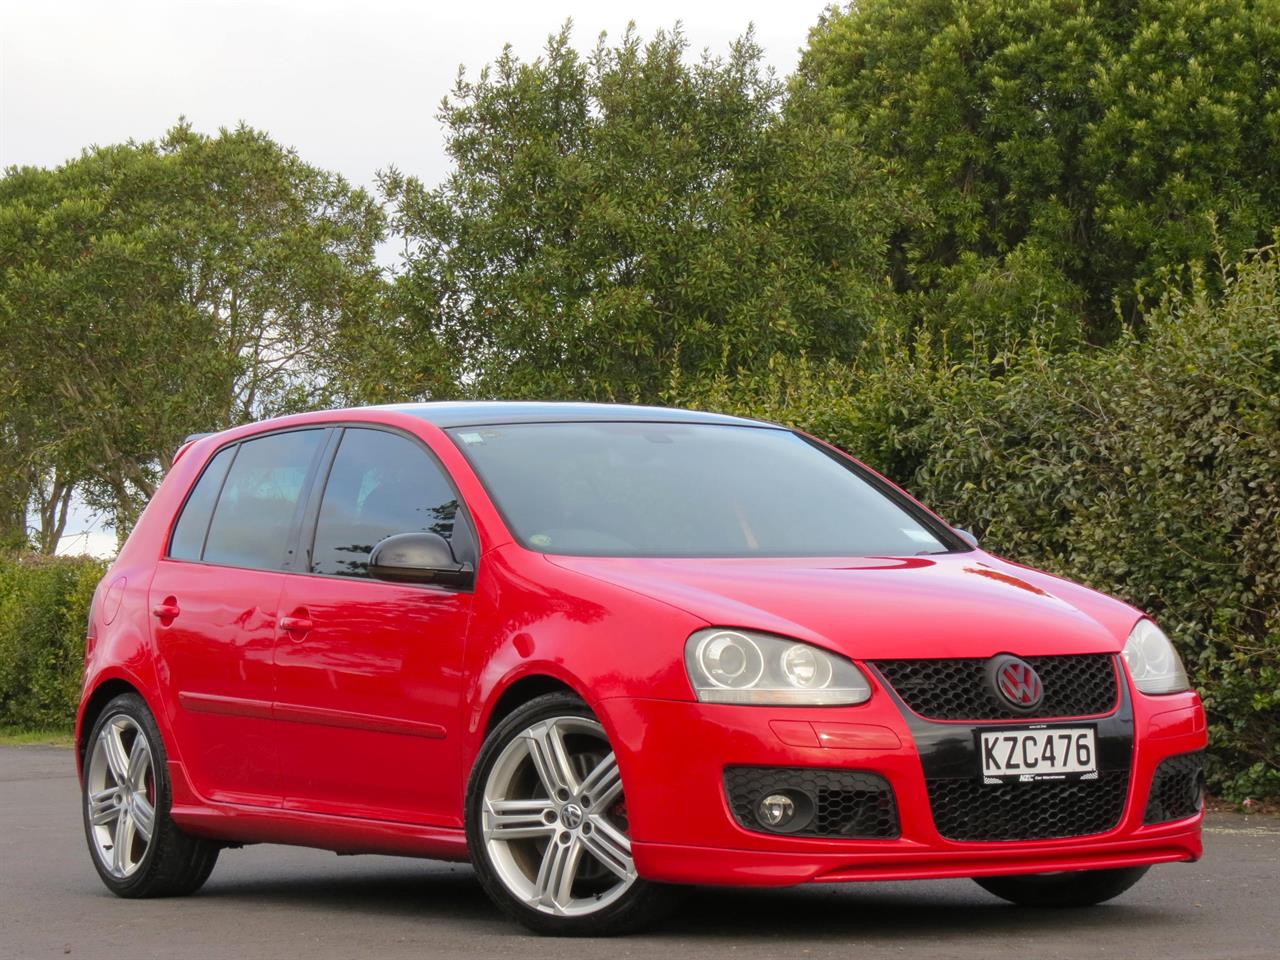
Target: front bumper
[{"x": 673, "y": 756}]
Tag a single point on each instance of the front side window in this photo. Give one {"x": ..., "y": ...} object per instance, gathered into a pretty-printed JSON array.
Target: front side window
[
  {"x": 254, "y": 515},
  {"x": 380, "y": 484},
  {"x": 686, "y": 490}
]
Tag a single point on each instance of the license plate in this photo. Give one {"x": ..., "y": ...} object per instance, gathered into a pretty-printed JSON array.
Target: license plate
[{"x": 1050, "y": 754}]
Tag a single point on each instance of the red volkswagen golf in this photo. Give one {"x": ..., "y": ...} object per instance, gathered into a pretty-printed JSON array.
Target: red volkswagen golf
[{"x": 602, "y": 650}]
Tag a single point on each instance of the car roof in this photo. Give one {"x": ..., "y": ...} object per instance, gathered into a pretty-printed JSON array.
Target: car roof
[{"x": 481, "y": 413}]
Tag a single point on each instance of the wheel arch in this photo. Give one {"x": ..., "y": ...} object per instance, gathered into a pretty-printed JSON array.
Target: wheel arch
[
  {"x": 520, "y": 691},
  {"x": 107, "y": 689}
]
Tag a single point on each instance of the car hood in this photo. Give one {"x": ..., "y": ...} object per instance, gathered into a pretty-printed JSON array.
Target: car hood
[{"x": 952, "y": 605}]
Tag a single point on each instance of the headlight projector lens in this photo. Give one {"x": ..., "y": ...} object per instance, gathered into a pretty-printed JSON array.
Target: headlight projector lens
[
  {"x": 805, "y": 668},
  {"x": 732, "y": 660}
]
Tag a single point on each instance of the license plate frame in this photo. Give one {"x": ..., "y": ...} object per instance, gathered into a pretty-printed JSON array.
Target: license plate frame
[{"x": 1006, "y": 754}]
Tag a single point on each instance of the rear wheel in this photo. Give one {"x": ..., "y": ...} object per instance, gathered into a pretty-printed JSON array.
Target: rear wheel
[
  {"x": 1079, "y": 888},
  {"x": 547, "y": 824},
  {"x": 137, "y": 850}
]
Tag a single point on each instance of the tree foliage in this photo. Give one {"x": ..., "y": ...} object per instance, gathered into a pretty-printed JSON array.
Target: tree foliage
[
  {"x": 616, "y": 220},
  {"x": 1071, "y": 152},
  {"x": 151, "y": 290}
]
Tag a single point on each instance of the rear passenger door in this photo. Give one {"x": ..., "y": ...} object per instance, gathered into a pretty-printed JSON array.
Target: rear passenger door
[
  {"x": 369, "y": 673},
  {"x": 214, "y": 599}
]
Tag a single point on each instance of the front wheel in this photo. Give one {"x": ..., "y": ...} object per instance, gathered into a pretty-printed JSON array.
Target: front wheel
[
  {"x": 547, "y": 824},
  {"x": 1079, "y": 888},
  {"x": 137, "y": 849}
]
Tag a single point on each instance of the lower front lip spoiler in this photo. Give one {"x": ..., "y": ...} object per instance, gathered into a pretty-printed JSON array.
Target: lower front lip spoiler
[{"x": 680, "y": 863}]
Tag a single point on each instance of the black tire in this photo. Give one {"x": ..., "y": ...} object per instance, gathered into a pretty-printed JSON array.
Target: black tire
[
  {"x": 175, "y": 864},
  {"x": 639, "y": 906},
  {"x": 1079, "y": 888}
]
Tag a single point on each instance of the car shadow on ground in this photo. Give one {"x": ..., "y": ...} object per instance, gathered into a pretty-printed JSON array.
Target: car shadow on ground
[
  {"x": 887, "y": 912},
  {"x": 902, "y": 911},
  {"x": 451, "y": 893}
]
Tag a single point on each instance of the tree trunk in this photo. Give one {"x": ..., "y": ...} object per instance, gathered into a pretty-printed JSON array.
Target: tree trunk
[
  {"x": 53, "y": 505},
  {"x": 14, "y": 498},
  {"x": 13, "y": 523}
]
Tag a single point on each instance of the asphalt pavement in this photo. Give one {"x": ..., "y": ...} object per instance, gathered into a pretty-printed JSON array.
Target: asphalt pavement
[{"x": 280, "y": 902}]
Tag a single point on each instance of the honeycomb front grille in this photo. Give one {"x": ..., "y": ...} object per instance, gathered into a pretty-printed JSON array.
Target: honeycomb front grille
[
  {"x": 1077, "y": 685},
  {"x": 1041, "y": 810},
  {"x": 852, "y": 804},
  {"x": 1176, "y": 789}
]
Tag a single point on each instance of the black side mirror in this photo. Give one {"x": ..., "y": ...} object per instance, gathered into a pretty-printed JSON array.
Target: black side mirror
[
  {"x": 967, "y": 536},
  {"x": 419, "y": 558}
]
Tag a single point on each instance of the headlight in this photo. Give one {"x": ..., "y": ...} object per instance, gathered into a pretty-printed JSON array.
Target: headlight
[
  {"x": 737, "y": 666},
  {"x": 1153, "y": 663}
]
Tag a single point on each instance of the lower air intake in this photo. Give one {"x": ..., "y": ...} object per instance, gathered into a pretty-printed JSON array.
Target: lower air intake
[
  {"x": 836, "y": 804},
  {"x": 1044, "y": 810},
  {"x": 1177, "y": 789}
]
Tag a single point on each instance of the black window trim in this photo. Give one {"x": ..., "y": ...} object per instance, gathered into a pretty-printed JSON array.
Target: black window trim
[
  {"x": 304, "y": 497},
  {"x": 310, "y": 504},
  {"x": 213, "y": 507},
  {"x": 310, "y": 516},
  {"x": 303, "y": 494}
]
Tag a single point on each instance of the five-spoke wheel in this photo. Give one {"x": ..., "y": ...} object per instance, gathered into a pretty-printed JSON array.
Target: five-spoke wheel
[
  {"x": 547, "y": 823},
  {"x": 138, "y": 850},
  {"x": 554, "y": 819},
  {"x": 121, "y": 796}
]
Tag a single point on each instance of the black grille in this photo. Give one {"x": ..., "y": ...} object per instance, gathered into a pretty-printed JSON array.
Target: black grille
[
  {"x": 1039, "y": 810},
  {"x": 1077, "y": 685},
  {"x": 847, "y": 803},
  {"x": 1176, "y": 789}
]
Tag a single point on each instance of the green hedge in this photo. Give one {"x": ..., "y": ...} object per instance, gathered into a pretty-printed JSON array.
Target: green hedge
[
  {"x": 1149, "y": 470},
  {"x": 44, "y": 605}
]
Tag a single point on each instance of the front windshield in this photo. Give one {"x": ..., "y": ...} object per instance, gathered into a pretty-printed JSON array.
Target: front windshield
[{"x": 684, "y": 490}]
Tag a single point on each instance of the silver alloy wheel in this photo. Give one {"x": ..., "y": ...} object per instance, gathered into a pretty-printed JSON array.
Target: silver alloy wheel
[
  {"x": 120, "y": 793},
  {"x": 554, "y": 820}
]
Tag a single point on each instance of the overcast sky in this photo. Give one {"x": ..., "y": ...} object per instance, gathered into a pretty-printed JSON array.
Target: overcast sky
[{"x": 352, "y": 86}]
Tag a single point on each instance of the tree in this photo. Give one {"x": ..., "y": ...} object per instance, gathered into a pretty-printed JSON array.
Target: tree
[
  {"x": 617, "y": 221},
  {"x": 1073, "y": 153},
  {"x": 151, "y": 290}
]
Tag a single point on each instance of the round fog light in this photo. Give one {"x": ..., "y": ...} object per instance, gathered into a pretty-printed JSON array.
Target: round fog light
[{"x": 776, "y": 810}]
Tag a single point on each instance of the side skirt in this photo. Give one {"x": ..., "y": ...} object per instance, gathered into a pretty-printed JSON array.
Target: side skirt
[{"x": 237, "y": 823}]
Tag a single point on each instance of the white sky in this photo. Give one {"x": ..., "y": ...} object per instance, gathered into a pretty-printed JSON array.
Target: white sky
[{"x": 353, "y": 87}]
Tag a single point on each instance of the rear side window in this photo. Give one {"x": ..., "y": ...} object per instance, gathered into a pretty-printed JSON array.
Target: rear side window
[
  {"x": 380, "y": 484},
  {"x": 188, "y": 533},
  {"x": 254, "y": 514}
]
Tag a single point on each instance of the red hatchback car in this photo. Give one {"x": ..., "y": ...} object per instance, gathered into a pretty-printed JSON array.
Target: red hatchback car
[{"x": 603, "y": 650}]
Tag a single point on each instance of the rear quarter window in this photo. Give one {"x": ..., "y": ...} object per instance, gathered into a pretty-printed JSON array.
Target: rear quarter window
[{"x": 187, "y": 542}]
